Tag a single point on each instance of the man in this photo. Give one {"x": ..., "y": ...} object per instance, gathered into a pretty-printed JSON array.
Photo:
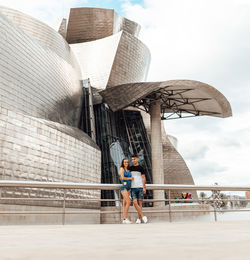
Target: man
[{"x": 138, "y": 187}]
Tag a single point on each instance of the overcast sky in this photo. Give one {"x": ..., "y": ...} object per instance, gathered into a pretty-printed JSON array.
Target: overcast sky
[
  {"x": 206, "y": 40},
  {"x": 209, "y": 41}
]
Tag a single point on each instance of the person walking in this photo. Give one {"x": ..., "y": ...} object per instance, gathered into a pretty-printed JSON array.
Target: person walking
[
  {"x": 138, "y": 187},
  {"x": 126, "y": 178}
]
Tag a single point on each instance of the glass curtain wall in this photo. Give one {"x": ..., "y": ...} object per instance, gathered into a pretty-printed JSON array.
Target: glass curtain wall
[
  {"x": 84, "y": 122},
  {"x": 120, "y": 134}
]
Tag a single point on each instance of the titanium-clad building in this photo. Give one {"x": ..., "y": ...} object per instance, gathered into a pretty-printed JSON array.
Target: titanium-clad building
[{"x": 71, "y": 103}]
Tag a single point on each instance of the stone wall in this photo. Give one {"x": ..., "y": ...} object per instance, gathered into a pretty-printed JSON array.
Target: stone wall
[
  {"x": 116, "y": 216},
  {"x": 46, "y": 219}
]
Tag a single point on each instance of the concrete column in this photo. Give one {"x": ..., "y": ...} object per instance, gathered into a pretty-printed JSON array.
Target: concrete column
[{"x": 156, "y": 147}]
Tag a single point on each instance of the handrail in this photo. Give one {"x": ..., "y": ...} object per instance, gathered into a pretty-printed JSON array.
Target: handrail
[
  {"x": 94, "y": 186},
  {"x": 104, "y": 186}
]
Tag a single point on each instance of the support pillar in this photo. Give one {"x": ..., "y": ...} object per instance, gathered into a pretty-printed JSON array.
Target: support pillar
[{"x": 157, "y": 151}]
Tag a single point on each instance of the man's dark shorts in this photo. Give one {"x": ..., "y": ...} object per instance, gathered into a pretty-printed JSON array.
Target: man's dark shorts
[{"x": 137, "y": 193}]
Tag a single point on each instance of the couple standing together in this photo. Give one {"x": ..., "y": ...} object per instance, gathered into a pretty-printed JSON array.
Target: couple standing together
[{"x": 133, "y": 185}]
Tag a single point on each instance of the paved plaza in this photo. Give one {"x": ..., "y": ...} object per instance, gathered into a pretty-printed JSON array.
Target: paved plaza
[{"x": 209, "y": 240}]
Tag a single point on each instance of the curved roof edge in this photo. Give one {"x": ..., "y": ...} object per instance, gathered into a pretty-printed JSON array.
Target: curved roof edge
[{"x": 177, "y": 96}]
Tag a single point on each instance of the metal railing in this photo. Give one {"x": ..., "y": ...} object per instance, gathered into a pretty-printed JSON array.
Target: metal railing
[{"x": 91, "y": 186}]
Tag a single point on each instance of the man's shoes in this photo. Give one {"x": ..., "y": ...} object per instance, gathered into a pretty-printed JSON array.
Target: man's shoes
[
  {"x": 126, "y": 221},
  {"x": 145, "y": 219},
  {"x": 138, "y": 221}
]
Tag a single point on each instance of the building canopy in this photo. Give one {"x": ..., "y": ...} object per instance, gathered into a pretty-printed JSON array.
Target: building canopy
[{"x": 179, "y": 98}]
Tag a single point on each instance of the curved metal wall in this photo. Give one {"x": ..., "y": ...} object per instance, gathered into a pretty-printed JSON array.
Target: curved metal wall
[
  {"x": 89, "y": 24},
  {"x": 131, "y": 62},
  {"x": 34, "y": 79},
  {"x": 96, "y": 59},
  {"x": 123, "y": 24},
  {"x": 39, "y": 150},
  {"x": 40, "y": 79},
  {"x": 114, "y": 60},
  {"x": 39, "y": 31},
  {"x": 175, "y": 168}
]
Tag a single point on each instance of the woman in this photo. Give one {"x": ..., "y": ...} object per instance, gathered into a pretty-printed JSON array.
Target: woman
[{"x": 126, "y": 178}]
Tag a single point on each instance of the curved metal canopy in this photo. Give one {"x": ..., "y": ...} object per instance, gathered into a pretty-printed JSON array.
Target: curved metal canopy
[{"x": 178, "y": 98}]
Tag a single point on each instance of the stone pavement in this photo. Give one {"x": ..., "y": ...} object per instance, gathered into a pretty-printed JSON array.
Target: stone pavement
[{"x": 201, "y": 240}]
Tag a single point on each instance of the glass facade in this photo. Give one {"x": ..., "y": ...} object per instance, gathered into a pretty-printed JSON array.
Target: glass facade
[
  {"x": 120, "y": 134},
  {"x": 84, "y": 122}
]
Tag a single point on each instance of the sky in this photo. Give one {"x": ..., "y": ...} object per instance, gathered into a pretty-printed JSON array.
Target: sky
[{"x": 206, "y": 40}]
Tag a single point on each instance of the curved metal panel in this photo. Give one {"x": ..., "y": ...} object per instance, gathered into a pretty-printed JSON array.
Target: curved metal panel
[
  {"x": 39, "y": 31},
  {"x": 96, "y": 59},
  {"x": 39, "y": 150},
  {"x": 35, "y": 80},
  {"x": 131, "y": 62},
  {"x": 89, "y": 24},
  {"x": 175, "y": 168},
  {"x": 114, "y": 60},
  {"x": 123, "y": 24},
  {"x": 187, "y": 95}
]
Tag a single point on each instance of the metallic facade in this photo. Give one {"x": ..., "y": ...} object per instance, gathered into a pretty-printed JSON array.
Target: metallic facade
[
  {"x": 42, "y": 101},
  {"x": 131, "y": 62},
  {"x": 175, "y": 168},
  {"x": 89, "y": 24},
  {"x": 38, "y": 31},
  {"x": 96, "y": 59},
  {"x": 40, "y": 150},
  {"x": 114, "y": 60},
  {"x": 35, "y": 80}
]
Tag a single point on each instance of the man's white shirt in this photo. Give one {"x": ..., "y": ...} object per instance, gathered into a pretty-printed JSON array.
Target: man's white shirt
[{"x": 137, "y": 181}]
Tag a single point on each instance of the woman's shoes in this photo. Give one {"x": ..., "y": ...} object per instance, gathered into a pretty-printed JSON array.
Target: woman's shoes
[
  {"x": 144, "y": 219},
  {"x": 138, "y": 221},
  {"x": 126, "y": 221}
]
